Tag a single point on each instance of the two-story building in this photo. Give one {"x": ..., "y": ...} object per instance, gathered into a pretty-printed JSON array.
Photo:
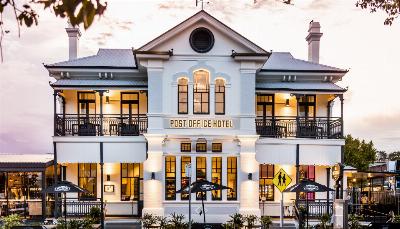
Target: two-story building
[{"x": 127, "y": 121}]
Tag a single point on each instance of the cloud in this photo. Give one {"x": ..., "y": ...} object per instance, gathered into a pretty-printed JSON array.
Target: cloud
[{"x": 111, "y": 26}]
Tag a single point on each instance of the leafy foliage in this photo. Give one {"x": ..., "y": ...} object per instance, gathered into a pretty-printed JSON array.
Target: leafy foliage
[
  {"x": 10, "y": 221},
  {"x": 75, "y": 224},
  {"x": 237, "y": 220},
  {"x": 95, "y": 214},
  {"x": 325, "y": 219},
  {"x": 390, "y": 7},
  {"x": 148, "y": 220},
  {"x": 394, "y": 156},
  {"x": 266, "y": 221},
  {"x": 358, "y": 154},
  {"x": 354, "y": 222},
  {"x": 250, "y": 220}
]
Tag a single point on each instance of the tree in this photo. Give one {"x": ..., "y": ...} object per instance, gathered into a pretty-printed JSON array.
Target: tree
[
  {"x": 358, "y": 153},
  {"x": 77, "y": 11},
  {"x": 390, "y": 7},
  {"x": 381, "y": 156},
  {"x": 394, "y": 156}
]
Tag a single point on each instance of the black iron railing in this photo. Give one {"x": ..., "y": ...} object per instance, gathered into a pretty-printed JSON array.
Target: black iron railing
[
  {"x": 77, "y": 207},
  {"x": 299, "y": 127},
  {"x": 91, "y": 125},
  {"x": 317, "y": 207}
]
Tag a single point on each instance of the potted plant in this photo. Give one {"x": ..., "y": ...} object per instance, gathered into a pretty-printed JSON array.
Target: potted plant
[
  {"x": 251, "y": 220},
  {"x": 237, "y": 220},
  {"x": 266, "y": 221},
  {"x": 177, "y": 221},
  {"x": 95, "y": 214}
]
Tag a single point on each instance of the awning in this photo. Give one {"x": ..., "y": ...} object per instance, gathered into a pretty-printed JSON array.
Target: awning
[
  {"x": 300, "y": 86},
  {"x": 139, "y": 83}
]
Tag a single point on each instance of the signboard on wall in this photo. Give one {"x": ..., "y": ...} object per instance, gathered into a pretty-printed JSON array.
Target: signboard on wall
[
  {"x": 186, "y": 123},
  {"x": 336, "y": 175}
]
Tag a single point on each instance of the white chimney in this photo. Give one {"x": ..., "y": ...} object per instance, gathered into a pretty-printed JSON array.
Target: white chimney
[
  {"x": 73, "y": 36},
  {"x": 313, "y": 38}
]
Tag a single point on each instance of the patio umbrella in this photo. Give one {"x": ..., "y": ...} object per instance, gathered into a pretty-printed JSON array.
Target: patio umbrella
[
  {"x": 308, "y": 186},
  {"x": 64, "y": 187},
  {"x": 203, "y": 186}
]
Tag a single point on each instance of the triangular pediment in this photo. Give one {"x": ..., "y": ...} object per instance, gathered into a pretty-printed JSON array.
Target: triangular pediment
[{"x": 226, "y": 39}]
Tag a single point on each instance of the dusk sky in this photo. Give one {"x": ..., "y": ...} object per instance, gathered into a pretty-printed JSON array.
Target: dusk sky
[{"x": 353, "y": 39}]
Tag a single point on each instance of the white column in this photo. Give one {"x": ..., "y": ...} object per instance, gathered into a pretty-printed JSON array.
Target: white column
[
  {"x": 249, "y": 203},
  {"x": 153, "y": 189}
]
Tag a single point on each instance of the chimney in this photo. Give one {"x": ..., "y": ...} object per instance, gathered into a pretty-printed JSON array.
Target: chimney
[
  {"x": 73, "y": 36},
  {"x": 313, "y": 38}
]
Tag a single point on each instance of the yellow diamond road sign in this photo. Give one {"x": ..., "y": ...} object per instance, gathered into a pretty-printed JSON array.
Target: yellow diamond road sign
[{"x": 281, "y": 180}]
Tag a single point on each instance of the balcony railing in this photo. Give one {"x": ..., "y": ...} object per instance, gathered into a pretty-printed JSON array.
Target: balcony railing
[
  {"x": 299, "y": 127},
  {"x": 91, "y": 125}
]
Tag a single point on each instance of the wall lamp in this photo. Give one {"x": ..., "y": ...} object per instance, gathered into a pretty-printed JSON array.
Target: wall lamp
[
  {"x": 153, "y": 175},
  {"x": 287, "y": 104},
  {"x": 250, "y": 176},
  {"x": 108, "y": 177},
  {"x": 107, "y": 99}
]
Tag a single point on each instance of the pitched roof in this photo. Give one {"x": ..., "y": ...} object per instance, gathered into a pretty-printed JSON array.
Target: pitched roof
[
  {"x": 132, "y": 82},
  {"x": 299, "y": 86},
  {"x": 285, "y": 62},
  {"x": 105, "y": 58},
  {"x": 193, "y": 19}
]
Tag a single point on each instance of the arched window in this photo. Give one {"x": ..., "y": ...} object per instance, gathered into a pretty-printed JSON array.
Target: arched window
[
  {"x": 219, "y": 96},
  {"x": 201, "y": 92},
  {"x": 182, "y": 96}
]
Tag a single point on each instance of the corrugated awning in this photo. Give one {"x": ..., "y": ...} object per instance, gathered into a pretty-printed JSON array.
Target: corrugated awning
[
  {"x": 300, "y": 86},
  {"x": 73, "y": 83}
]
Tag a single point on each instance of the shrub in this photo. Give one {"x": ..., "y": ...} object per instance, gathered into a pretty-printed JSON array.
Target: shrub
[
  {"x": 95, "y": 214},
  {"x": 354, "y": 222},
  {"x": 250, "y": 220},
  {"x": 11, "y": 221},
  {"x": 325, "y": 220},
  {"x": 266, "y": 221},
  {"x": 237, "y": 220},
  {"x": 148, "y": 220},
  {"x": 162, "y": 222},
  {"x": 177, "y": 221}
]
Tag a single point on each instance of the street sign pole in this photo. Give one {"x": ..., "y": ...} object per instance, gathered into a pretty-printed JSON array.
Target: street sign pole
[
  {"x": 282, "y": 211},
  {"x": 188, "y": 171}
]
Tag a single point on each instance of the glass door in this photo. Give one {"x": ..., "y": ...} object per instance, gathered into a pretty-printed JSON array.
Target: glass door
[
  {"x": 86, "y": 105},
  {"x": 130, "y": 106}
]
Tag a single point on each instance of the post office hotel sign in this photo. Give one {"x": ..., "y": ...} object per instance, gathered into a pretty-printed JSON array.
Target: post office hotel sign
[{"x": 196, "y": 123}]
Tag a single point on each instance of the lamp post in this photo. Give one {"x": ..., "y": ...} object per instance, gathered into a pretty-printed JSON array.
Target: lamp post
[
  {"x": 188, "y": 173},
  {"x": 263, "y": 199}
]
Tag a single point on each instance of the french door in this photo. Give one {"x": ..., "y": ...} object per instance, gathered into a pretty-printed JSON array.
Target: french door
[{"x": 130, "y": 105}]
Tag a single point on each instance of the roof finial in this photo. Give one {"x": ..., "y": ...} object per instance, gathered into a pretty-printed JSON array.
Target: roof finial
[{"x": 202, "y": 3}]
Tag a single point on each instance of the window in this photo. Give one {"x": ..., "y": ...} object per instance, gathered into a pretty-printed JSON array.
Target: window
[
  {"x": 86, "y": 104},
  {"x": 201, "y": 173},
  {"x": 216, "y": 177},
  {"x": 131, "y": 177},
  {"x": 3, "y": 180},
  {"x": 184, "y": 180},
  {"x": 217, "y": 147},
  {"x": 266, "y": 185},
  {"x": 201, "y": 147},
  {"x": 219, "y": 96},
  {"x": 307, "y": 106},
  {"x": 182, "y": 96},
  {"x": 87, "y": 179},
  {"x": 186, "y": 147},
  {"x": 265, "y": 105},
  {"x": 170, "y": 178},
  {"x": 307, "y": 172},
  {"x": 232, "y": 178},
  {"x": 201, "y": 92}
]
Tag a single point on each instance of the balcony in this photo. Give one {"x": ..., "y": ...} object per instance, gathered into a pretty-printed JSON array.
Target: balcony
[
  {"x": 299, "y": 127},
  {"x": 93, "y": 125}
]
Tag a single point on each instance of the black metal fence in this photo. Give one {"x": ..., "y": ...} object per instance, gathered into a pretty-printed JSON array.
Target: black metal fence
[
  {"x": 317, "y": 207},
  {"x": 299, "y": 127},
  {"x": 77, "y": 207},
  {"x": 93, "y": 125}
]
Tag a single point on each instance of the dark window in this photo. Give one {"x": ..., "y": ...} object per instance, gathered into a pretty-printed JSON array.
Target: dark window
[
  {"x": 201, "y": 92},
  {"x": 184, "y": 180},
  {"x": 186, "y": 147},
  {"x": 232, "y": 178},
  {"x": 266, "y": 185},
  {"x": 201, "y": 173},
  {"x": 87, "y": 179},
  {"x": 130, "y": 105},
  {"x": 201, "y": 40},
  {"x": 3, "y": 180},
  {"x": 170, "y": 177},
  {"x": 216, "y": 176},
  {"x": 217, "y": 147},
  {"x": 201, "y": 147},
  {"x": 182, "y": 96},
  {"x": 307, "y": 172},
  {"x": 220, "y": 97},
  {"x": 86, "y": 104},
  {"x": 131, "y": 178},
  {"x": 265, "y": 105},
  {"x": 307, "y": 106}
]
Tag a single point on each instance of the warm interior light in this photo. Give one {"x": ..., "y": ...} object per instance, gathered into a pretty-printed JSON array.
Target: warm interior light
[{"x": 287, "y": 103}]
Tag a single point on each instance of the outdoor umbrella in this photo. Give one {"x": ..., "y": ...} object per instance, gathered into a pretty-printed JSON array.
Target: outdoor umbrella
[
  {"x": 308, "y": 186},
  {"x": 203, "y": 186},
  {"x": 64, "y": 187}
]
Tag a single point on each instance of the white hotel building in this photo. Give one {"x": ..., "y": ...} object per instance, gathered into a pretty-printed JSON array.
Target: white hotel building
[{"x": 126, "y": 121}]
